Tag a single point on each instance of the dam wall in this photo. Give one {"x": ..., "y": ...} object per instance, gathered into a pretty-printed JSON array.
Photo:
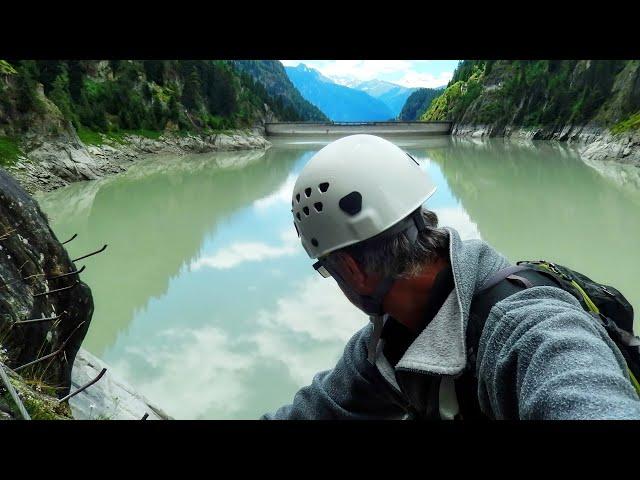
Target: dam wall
[{"x": 348, "y": 128}]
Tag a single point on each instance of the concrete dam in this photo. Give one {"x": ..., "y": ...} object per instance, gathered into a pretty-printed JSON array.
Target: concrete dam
[{"x": 346, "y": 128}]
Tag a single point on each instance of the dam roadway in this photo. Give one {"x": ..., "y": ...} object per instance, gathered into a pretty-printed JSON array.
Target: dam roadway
[{"x": 345, "y": 128}]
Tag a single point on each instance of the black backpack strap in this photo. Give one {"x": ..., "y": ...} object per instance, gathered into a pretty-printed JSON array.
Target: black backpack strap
[
  {"x": 497, "y": 287},
  {"x": 500, "y": 275}
]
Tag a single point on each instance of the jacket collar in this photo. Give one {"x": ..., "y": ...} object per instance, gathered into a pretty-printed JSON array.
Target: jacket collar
[{"x": 441, "y": 347}]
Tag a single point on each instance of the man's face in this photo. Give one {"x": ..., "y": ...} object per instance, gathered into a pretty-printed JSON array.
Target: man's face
[{"x": 350, "y": 277}]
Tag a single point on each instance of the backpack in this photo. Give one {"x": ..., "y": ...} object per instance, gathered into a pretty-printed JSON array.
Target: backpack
[{"x": 603, "y": 302}]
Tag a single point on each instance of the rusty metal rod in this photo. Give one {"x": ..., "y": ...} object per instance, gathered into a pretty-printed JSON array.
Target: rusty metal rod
[
  {"x": 90, "y": 254},
  {"x": 37, "y": 320},
  {"x": 52, "y": 278},
  {"x": 87, "y": 385},
  {"x": 74, "y": 236},
  {"x": 67, "y": 274},
  {"x": 57, "y": 290},
  {"x": 52, "y": 354},
  {"x": 13, "y": 393},
  {"x": 24, "y": 279}
]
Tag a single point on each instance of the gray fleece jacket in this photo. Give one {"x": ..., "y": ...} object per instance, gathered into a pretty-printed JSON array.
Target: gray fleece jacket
[{"x": 541, "y": 356}]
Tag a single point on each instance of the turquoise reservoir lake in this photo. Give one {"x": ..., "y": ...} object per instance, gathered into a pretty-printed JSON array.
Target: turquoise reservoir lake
[{"x": 206, "y": 302}]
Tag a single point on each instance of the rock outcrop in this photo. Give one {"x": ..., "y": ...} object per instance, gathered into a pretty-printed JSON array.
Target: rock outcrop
[
  {"x": 53, "y": 163},
  {"x": 45, "y": 309},
  {"x": 109, "y": 399},
  {"x": 593, "y": 103},
  {"x": 593, "y": 143}
]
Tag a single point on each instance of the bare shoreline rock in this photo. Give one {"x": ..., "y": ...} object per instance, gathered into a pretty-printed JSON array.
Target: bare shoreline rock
[
  {"x": 594, "y": 143},
  {"x": 111, "y": 398},
  {"x": 54, "y": 163}
]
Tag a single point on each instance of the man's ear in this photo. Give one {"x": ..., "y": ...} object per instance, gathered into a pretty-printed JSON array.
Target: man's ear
[{"x": 352, "y": 271}]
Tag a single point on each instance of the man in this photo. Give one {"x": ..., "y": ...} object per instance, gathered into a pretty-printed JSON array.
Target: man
[{"x": 357, "y": 208}]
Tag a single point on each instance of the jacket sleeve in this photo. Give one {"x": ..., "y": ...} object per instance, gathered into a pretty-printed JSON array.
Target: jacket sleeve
[
  {"x": 541, "y": 356},
  {"x": 354, "y": 389}
]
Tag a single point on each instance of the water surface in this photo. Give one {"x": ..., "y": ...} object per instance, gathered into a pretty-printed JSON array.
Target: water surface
[{"x": 206, "y": 302}]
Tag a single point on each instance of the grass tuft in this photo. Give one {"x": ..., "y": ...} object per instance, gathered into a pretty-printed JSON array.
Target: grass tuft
[
  {"x": 631, "y": 123},
  {"x": 9, "y": 151}
]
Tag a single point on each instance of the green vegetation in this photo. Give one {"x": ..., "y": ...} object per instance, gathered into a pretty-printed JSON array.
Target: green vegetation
[
  {"x": 38, "y": 400},
  {"x": 418, "y": 102},
  {"x": 9, "y": 151},
  {"x": 42, "y": 408},
  {"x": 120, "y": 97},
  {"x": 269, "y": 78},
  {"x": 464, "y": 88},
  {"x": 89, "y": 137},
  {"x": 631, "y": 123},
  {"x": 6, "y": 68},
  {"x": 535, "y": 93}
]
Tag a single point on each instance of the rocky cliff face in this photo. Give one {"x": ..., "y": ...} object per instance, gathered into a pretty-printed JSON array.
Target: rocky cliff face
[
  {"x": 594, "y": 102},
  {"x": 290, "y": 105},
  {"x": 45, "y": 309}
]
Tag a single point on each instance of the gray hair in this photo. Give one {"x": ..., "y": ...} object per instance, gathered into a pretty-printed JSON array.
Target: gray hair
[{"x": 396, "y": 256}]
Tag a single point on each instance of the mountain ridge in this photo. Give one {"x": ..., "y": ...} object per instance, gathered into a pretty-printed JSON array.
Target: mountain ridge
[
  {"x": 271, "y": 75},
  {"x": 391, "y": 94},
  {"x": 337, "y": 102}
]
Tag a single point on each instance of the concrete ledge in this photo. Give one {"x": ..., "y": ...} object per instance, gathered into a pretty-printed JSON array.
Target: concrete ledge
[{"x": 345, "y": 128}]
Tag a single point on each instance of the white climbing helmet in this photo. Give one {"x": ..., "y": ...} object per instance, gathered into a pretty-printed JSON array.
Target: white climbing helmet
[{"x": 353, "y": 189}]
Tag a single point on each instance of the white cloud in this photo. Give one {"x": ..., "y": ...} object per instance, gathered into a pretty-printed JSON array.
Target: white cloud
[
  {"x": 290, "y": 63},
  {"x": 302, "y": 362},
  {"x": 321, "y": 318},
  {"x": 201, "y": 365},
  {"x": 409, "y": 73},
  {"x": 413, "y": 79},
  {"x": 318, "y": 309},
  {"x": 242, "y": 252},
  {"x": 363, "y": 69},
  {"x": 281, "y": 195},
  {"x": 210, "y": 372},
  {"x": 458, "y": 218}
]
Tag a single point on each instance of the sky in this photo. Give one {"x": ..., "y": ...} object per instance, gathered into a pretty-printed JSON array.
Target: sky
[{"x": 408, "y": 73}]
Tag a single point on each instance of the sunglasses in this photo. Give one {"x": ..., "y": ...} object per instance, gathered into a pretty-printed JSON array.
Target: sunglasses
[{"x": 321, "y": 269}]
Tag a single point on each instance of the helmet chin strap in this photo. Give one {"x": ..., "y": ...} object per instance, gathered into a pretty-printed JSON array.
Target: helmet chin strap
[
  {"x": 376, "y": 314},
  {"x": 378, "y": 323}
]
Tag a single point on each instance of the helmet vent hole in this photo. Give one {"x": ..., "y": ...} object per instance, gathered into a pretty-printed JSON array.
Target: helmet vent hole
[
  {"x": 306, "y": 211},
  {"x": 298, "y": 197},
  {"x": 351, "y": 203},
  {"x": 307, "y": 192},
  {"x": 318, "y": 206},
  {"x": 324, "y": 187},
  {"x": 298, "y": 215},
  {"x": 314, "y": 242}
]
